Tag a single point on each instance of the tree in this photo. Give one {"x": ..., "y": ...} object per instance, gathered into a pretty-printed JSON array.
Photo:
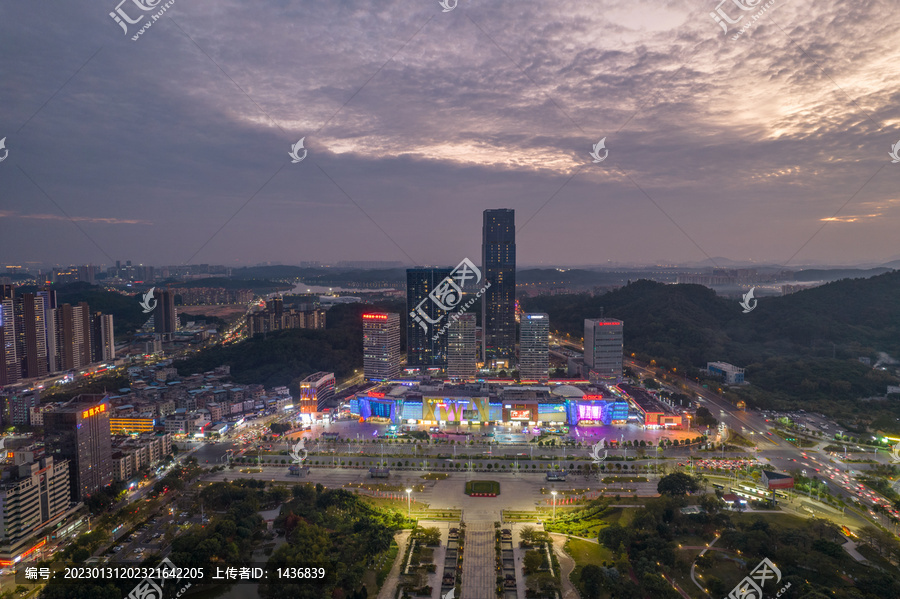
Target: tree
[
  {"x": 592, "y": 581},
  {"x": 677, "y": 484},
  {"x": 532, "y": 561},
  {"x": 705, "y": 417}
]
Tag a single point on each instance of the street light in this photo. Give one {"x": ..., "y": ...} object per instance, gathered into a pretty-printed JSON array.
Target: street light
[
  {"x": 553, "y": 492},
  {"x": 408, "y": 503}
]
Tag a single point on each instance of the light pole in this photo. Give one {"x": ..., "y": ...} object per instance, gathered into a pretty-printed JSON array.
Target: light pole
[
  {"x": 553, "y": 492},
  {"x": 408, "y": 503}
]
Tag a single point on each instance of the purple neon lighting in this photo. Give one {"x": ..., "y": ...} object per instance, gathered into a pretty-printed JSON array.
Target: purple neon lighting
[{"x": 589, "y": 412}]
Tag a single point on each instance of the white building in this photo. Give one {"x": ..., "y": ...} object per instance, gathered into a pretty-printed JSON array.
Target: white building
[
  {"x": 381, "y": 346},
  {"x": 534, "y": 347},
  {"x": 462, "y": 350}
]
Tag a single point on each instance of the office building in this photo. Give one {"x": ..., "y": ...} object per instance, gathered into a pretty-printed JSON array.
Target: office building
[
  {"x": 424, "y": 318},
  {"x": 603, "y": 346},
  {"x": 462, "y": 351},
  {"x": 381, "y": 346},
  {"x": 315, "y": 391},
  {"x": 534, "y": 347},
  {"x": 79, "y": 432},
  {"x": 165, "y": 318},
  {"x": 731, "y": 374},
  {"x": 498, "y": 303},
  {"x": 33, "y": 496}
]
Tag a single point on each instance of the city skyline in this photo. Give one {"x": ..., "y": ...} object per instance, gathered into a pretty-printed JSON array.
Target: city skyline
[{"x": 483, "y": 106}]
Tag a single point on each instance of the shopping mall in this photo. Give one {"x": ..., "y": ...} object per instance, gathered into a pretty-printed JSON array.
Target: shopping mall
[{"x": 563, "y": 404}]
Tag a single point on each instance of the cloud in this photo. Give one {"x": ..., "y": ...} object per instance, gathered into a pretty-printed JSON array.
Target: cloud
[{"x": 80, "y": 219}]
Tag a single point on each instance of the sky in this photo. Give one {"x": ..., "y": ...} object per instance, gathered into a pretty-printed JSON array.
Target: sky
[{"x": 767, "y": 144}]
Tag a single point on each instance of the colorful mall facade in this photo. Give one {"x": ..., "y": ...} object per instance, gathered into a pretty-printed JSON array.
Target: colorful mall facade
[{"x": 412, "y": 402}]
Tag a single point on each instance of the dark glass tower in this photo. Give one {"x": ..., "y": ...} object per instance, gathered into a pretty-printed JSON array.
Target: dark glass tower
[
  {"x": 421, "y": 349},
  {"x": 498, "y": 303}
]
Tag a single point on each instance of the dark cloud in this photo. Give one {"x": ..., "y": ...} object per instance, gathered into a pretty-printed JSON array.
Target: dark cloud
[{"x": 417, "y": 120}]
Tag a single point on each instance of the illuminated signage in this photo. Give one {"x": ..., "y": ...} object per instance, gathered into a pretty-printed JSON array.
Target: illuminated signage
[
  {"x": 94, "y": 410},
  {"x": 519, "y": 414},
  {"x": 375, "y": 316},
  {"x": 535, "y": 317},
  {"x": 592, "y": 397}
]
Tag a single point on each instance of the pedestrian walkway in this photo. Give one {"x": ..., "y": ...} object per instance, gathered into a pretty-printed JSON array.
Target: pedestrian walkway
[
  {"x": 479, "y": 562},
  {"x": 389, "y": 588}
]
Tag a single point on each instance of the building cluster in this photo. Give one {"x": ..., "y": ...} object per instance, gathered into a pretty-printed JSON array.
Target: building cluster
[
  {"x": 584, "y": 403},
  {"x": 39, "y": 337},
  {"x": 274, "y": 317},
  {"x": 442, "y": 336},
  {"x": 159, "y": 400},
  {"x": 197, "y": 296}
]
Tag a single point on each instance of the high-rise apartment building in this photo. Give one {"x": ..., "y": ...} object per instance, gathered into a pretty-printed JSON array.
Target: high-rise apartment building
[
  {"x": 10, "y": 368},
  {"x": 422, "y": 349},
  {"x": 34, "y": 323},
  {"x": 79, "y": 432},
  {"x": 498, "y": 303},
  {"x": 72, "y": 345},
  {"x": 165, "y": 318},
  {"x": 103, "y": 343},
  {"x": 462, "y": 351},
  {"x": 534, "y": 347},
  {"x": 603, "y": 346},
  {"x": 381, "y": 346}
]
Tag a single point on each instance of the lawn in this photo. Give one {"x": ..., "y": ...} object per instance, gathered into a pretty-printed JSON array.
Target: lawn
[
  {"x": 584, "y": 553},
  {"x": 482, "y": 487}
]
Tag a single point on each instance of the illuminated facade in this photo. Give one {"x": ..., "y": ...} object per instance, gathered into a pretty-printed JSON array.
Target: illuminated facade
[
  {"x": 79, "y": 432},
  {"x": 381, "y": 346},
  {"x": 130, "y": 425},
  {"x": 315, "y": 391}
]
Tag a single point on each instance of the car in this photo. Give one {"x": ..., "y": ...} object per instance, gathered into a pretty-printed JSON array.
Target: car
[{"x": 118, "y": 548}]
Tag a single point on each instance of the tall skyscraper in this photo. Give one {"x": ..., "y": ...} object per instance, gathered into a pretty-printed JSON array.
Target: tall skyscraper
[
  {"x": 462, "y": 351},
  {"x": 603, "y": 346},
  {"x": 498, "y": 304},
  {"x": 534, "y": 347},
  {"x": 165, "y": 318},
  {"x": 79, "y": 432},
  {"x": 421, "y": 347},
  {"x": 381, "y": 346}
]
